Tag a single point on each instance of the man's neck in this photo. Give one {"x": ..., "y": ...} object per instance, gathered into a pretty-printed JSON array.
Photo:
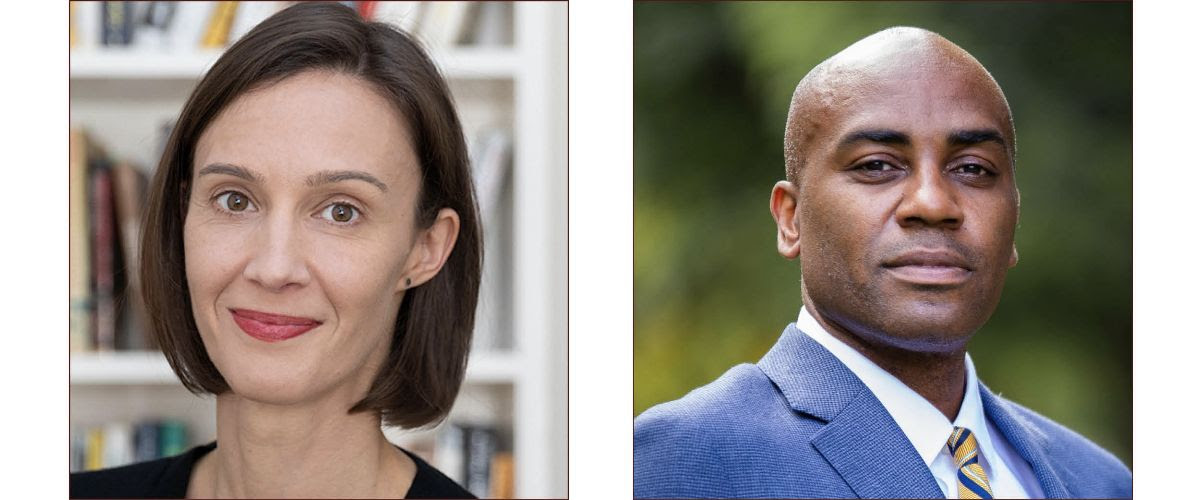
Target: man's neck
[
  {"x": 940, "y": 378},
  {"x": 299, "y": 451}
]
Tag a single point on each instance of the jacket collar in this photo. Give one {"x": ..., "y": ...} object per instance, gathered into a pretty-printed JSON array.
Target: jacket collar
[
  {"x": 860, "y": 439},
  {"x": 1027, "y": 439}
]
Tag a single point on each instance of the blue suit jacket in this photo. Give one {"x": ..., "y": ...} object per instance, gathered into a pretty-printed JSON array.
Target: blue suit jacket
[{"x": 800, "y": 424}]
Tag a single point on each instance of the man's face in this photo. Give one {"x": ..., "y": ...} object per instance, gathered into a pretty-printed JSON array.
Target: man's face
[{"x": 907, "y": 205}]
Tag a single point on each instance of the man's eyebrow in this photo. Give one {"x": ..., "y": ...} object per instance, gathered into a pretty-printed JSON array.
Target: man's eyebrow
[
  {"x": 228, "y": 169},
  {"x": 976, "y": 136},
  {"x": 885, "y": 136},
  {"x": 330, "y": 176}
]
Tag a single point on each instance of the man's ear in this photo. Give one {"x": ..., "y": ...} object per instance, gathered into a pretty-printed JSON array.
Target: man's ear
[
  {"x": 1012, "y": 259},
  {"x": 785, "y": 200},
  {"x": 430, "y": 250}
]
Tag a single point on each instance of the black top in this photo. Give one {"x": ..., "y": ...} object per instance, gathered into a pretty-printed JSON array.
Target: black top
[{"x": 168, "y": 478}]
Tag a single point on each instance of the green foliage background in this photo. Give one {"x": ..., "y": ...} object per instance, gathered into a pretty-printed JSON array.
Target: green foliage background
[{"x": 712, "y": 84}]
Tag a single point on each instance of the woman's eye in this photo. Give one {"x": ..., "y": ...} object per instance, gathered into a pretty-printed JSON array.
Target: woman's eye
[
  {"x": 340, "y": 212},
  {"x": 234, "y": 201}
]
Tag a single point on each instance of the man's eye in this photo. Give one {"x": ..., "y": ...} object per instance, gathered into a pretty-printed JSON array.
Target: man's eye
[
  {"x": 234, "y": 201},
  {"x": 341, "y": 213},
  {"x": 973, "y": 169},
  {"x": 876, "y": 166}
]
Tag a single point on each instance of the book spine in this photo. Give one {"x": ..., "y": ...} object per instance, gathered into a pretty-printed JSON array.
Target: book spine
[
  {"x": 80, "y": 244},
  {"x": 502, "y": 476},
  {"x": 118, "y": 23},
  {"x": 217, "y": 34},
  {"x": 94, "y": 458},
  {"x": 145, "y": 441},
  {"x": 118, "y": 444},
  {"x": 366, "y": 9},
  {"x": 74, "y": 33},
  {"x": 128, "y": 198},
  {"x": 102, "y": 220},
  {"x": 448, "y": 453},
  {"x": 78, "y": 449},
  {"x": 172, "y": 438},
  {"x": 481, "y": 445}
]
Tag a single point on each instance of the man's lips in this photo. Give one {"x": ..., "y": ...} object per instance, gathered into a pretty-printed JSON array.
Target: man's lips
[
  {"x": 272, "y": 327},
  {"x": 930, "y": 267}
]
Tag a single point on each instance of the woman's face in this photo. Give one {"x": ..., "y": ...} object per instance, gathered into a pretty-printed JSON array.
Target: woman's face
[{"x": 300, "y": 234}]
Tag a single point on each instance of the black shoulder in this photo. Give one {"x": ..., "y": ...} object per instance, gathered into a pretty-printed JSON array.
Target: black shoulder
[
  {"x": 431, "y": 483},
  {"x": 162, "y": 478}
]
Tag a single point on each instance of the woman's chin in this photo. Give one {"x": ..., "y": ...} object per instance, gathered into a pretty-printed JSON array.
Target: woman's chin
[{"x": 271, "y": 383}]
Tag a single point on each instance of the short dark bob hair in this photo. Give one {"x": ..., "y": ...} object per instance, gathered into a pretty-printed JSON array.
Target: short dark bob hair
[{"x": 425, "y": 365}]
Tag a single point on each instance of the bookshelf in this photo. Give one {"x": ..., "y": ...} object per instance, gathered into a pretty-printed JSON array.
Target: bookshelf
[{"x": 516, "y": 377}]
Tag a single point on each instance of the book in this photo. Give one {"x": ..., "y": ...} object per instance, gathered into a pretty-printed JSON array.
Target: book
[
  {"x": 449, "y": 452},
  {"x": 94, "y": 456},
  {"x": 502, "y": 476},
  {"x": 88, "y": 25},
  {"x": 216, "y": 35},
  {"x": 444, "y": 24},
  {"x": 78, "y": 449},
  {"x": 118, "y": 23},
  {"x": 117, "y": 443},
  {"x": 481, "y": 446},
  {"x": 145, "y": 441},
  {"x": 172, "y": 438},
  {"x": 366, "y": 8},
  {"x": 74, "y": 34},
  {"x": 153, "y": 23},
  {"x": 187, "y": 26},
  {"x": 79, "y": 241},
  {"x": 491, "y": 162},
  {"x": 492, "y": 25},
  {"x": 103, "y": 240},
  {"x": 129, "y": 196}
]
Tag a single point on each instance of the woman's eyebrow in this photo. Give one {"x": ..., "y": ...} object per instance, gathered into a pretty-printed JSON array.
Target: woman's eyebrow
[
  {"x": 324, "y": 177},
  {"x": 228, "y": 169},
  {"x": 330, "y": 176}
]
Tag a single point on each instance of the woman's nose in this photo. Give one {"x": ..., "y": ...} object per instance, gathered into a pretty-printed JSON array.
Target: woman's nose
[{"x": 277, "y": 260}]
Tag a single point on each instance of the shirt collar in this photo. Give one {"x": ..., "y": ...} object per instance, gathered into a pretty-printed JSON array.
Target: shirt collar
[{"x": 924, "y": 426}]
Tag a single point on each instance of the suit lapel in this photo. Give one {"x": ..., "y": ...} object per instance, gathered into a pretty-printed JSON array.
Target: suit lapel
[
  {"x": 1028, "y": 440},
  {"x": 860, "y": 441}
]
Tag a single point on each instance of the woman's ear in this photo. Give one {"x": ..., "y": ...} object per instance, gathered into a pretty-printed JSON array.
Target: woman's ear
[{"x": 430, "y": 250}]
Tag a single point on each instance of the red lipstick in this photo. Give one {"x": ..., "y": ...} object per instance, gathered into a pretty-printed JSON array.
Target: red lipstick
[{"x": 272, "y": 327}]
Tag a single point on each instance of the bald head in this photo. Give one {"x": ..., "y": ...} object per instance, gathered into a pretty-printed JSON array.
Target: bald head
[{"x": 869, "y": 73}]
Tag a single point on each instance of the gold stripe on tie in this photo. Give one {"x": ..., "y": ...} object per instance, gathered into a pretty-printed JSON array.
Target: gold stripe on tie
[{"x": 972, "y": 480}]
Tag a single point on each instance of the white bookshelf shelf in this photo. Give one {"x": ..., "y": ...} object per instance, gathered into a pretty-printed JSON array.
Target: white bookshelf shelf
[
  {"x": 151, "y": 368},
  {"x": 482, "y": 63}
]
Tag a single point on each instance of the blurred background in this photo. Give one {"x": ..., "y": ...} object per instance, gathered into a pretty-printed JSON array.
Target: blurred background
[
  {"x": 712, "y": 83},
  {"x": 132, "y": 67}
]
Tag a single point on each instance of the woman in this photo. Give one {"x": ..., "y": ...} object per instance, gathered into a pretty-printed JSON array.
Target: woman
[{"x": 311, "y": 257}]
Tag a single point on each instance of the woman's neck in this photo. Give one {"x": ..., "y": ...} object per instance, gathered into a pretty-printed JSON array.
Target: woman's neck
[{"x": 315, "y": 450}]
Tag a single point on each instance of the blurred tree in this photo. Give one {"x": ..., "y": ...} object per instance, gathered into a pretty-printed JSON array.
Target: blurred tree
[{"x": 712, "y": 84}]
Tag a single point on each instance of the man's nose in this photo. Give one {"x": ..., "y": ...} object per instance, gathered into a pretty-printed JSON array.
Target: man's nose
[
  {"x": 277, "y": 261},
  {"x": 929, "y": 199}
]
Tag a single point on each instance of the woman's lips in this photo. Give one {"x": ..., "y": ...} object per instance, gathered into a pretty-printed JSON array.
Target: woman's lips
[{"x": 271, "y": 327}]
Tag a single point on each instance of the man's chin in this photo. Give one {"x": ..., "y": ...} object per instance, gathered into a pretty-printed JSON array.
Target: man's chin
[{"x": 926, "y": 329}]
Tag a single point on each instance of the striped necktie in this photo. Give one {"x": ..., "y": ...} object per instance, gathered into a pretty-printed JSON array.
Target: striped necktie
[{"x": 972, "y": 481}]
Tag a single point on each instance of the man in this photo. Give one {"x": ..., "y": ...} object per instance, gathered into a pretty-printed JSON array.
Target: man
[{"x": 901, "y": 204}]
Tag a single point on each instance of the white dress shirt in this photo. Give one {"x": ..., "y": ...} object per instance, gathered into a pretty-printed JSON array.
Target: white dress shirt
[{"x": 1009, "y": 475}]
